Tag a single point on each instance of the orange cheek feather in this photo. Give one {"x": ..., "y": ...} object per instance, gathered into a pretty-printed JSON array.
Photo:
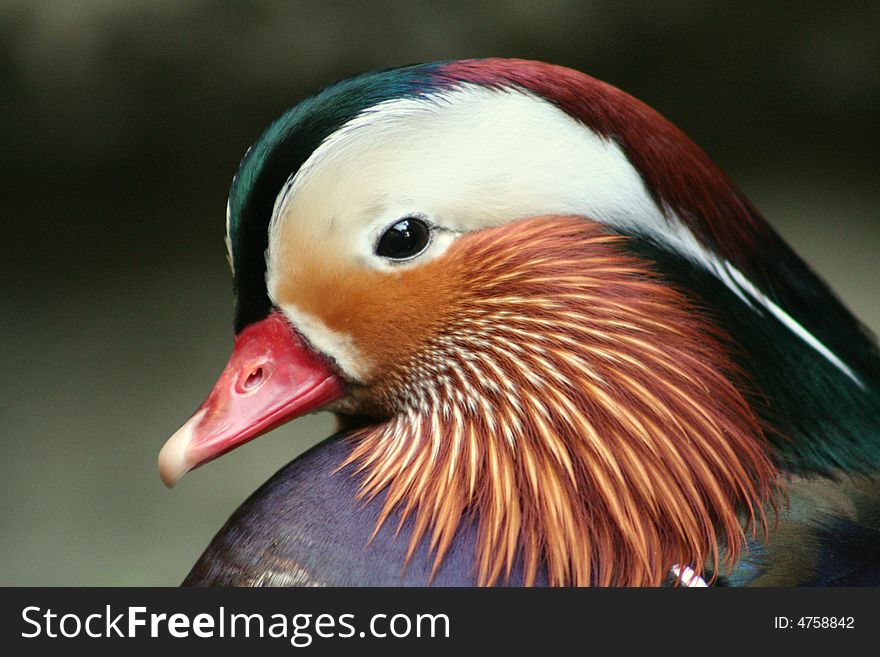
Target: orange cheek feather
[{"x": 387, "y": 315}]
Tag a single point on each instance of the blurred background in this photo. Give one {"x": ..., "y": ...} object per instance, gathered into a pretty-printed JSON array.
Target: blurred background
[{"x": 123, "y": 122}]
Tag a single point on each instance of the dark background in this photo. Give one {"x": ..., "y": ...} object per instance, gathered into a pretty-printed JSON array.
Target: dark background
[{"x": 123, "y": 123}]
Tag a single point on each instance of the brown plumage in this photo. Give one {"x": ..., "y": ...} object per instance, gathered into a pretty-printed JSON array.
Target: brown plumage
[{"x": 588, "y": 414}]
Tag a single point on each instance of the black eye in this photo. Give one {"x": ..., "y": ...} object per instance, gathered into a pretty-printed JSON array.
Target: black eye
[{"x": 405, "y": 239}]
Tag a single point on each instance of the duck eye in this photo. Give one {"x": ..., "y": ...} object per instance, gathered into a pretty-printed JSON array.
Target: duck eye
[{"x": 405, "y": 239}]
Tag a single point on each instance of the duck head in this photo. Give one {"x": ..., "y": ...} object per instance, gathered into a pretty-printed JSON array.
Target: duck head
[{"x": 466, "y": 258}]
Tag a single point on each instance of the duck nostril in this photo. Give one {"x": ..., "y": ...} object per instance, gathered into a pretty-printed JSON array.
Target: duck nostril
[{"x": 254, "y": 379}]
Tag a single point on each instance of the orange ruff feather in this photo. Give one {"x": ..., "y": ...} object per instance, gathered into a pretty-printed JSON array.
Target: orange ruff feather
[{"x": 586, "y": 413}]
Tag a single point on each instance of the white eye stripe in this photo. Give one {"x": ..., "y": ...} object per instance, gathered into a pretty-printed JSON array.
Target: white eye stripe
[{"x": 482, "y": 158}]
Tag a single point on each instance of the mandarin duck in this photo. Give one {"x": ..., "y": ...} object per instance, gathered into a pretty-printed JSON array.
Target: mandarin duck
[{"x": 563, "y": 349}]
